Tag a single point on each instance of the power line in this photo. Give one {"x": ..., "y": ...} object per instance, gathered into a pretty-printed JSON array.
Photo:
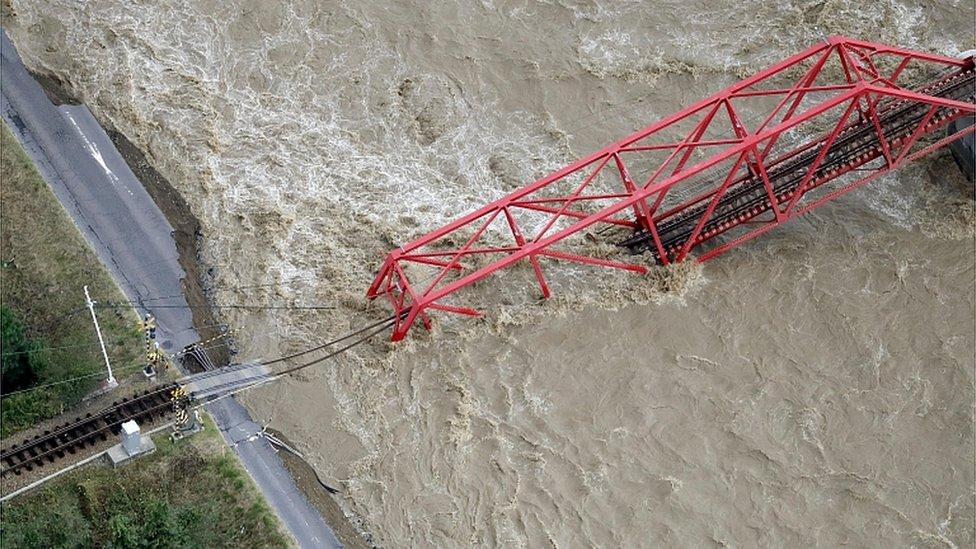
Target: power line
[
  {"x": 372, "y": 329},
  {"x": 114, "y": 344},
  {"x": 117, "y": 304},
  {"x": 340, "y": 350},
  {"x": 232, "y": 288},
  {"x": 127, "y": 369},
  {"x": 59, "y": 347},
  {"x": 380, "y": 326},
  {"x": 383, "y": 323},
  {"x": 242, "y": 306}
]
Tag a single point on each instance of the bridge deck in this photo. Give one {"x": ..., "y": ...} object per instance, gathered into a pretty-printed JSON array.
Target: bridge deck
[
  {"x": 753, "y": 156},
  {"x": 214, "y": 383}
]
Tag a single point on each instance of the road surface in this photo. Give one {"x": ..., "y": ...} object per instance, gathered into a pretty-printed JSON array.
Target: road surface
[{"x": 133, "y": 240}]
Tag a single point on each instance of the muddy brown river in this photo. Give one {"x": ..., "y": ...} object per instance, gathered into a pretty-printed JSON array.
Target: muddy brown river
[{"x": 814, "y": 387}]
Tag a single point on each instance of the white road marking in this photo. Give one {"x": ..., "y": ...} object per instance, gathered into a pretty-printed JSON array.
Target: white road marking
[{"x": 96, "y": 153}]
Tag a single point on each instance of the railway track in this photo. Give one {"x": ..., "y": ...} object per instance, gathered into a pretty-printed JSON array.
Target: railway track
[
  {"x": 83, "y": 432},
  {"x": 747, "y": 198},
  {"x": 72, "y": 437}
]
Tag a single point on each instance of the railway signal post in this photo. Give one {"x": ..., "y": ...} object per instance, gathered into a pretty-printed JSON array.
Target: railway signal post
[{"x": 152, "y": 347}]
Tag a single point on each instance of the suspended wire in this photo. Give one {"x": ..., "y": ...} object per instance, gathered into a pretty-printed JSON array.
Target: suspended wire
[
  {"x": 244, "y": 306},
  {"x": 272, "y": 284},
  {"x": 202, "y": 326},
  {"x": 142, "y": 301},
  {"x": 340, "y": 350},
  {"x": 231, "y": 288},
  {"x": 383, "y": 323},
  {"x": 377, "y": 327},
  {"x": 125, "y": 369},
  {"x": 118, "y": 304},
  {"x": 59, "y": 347},
  {"x": 212, "y": 344},
  {"x": 380, "y": 326},
  {"x": 372, "y": 329},
  {"x": 111, "y": 344}
]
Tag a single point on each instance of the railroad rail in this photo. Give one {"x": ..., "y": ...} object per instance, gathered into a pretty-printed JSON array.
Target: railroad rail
[
  {"x": 731, "y": 167},
  {"x": 855, "y": 146},
  {"x": 191, "y": 391},
  {"x": 76, "y": 435}
]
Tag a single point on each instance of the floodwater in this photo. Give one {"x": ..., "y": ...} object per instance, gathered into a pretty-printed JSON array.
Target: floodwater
[{"x": 815, "y": 386}]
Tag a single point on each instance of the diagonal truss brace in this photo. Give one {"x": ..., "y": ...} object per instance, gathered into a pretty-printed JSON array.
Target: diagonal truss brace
[{"x": 861, "y": 89}]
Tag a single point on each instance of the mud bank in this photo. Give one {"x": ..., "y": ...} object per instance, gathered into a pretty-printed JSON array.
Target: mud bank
[
  {"x": 187, "y": 232},
  {"x": 188, "y": 236}
]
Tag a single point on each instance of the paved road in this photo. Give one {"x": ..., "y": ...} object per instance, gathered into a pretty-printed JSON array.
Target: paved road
[{"x": 133, "y": 240}]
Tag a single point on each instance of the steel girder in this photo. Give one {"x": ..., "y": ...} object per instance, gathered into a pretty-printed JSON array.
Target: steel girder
[{"x": 750, "y": 157}]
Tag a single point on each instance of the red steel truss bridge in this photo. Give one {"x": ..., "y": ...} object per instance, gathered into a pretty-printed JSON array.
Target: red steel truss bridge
[{"x": 722, "y": 171}]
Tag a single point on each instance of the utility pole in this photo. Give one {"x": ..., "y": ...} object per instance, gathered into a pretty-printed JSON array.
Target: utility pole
[{"x": 110, "y": 382}]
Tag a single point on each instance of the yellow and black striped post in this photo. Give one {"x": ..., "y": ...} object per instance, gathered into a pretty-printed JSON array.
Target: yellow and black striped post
[
  {"x": 154, "y": 357},
  {"x": 182, "y": 417},
  {"x": 181, "y": 401},
  {"x": 149, "y": 327},
  {"x": 177, "y": 395}
]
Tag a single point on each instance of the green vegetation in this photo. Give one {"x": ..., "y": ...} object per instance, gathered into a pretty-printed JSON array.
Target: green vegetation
[
  {"x": 20, "y": 367},
  {"x": 48, "y": 336},
  {"x": 192, "y": 493}
]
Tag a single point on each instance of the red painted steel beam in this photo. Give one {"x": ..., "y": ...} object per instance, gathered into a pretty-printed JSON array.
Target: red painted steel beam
[{"x": 708, "y": 171}]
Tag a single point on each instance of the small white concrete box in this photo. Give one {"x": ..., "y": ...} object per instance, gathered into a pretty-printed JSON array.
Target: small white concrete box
[{"x": 131, "y": 437}]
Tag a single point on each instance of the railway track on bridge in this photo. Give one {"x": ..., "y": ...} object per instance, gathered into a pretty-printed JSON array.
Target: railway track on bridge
[
  {"x": 748, "y": 198},
  {"x": 850, "y": 147},
  {"x": 70, "y": 438},
  {"x": 737, "y": 164}
]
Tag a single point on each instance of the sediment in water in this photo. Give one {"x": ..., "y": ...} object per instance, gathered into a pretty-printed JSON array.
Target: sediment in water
[
  {"x": 790, "y": 401},
  {"x": 188, "y": 236}
]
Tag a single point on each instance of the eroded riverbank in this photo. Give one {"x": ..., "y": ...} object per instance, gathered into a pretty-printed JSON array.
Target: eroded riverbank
[{"x": 781, "y": 400}]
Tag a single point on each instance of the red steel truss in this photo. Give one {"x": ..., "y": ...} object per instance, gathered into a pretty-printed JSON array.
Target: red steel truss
[{"x": 751, "y": 157}]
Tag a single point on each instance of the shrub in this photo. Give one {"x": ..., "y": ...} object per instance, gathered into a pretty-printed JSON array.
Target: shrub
[{"x": 18, "y": 370}]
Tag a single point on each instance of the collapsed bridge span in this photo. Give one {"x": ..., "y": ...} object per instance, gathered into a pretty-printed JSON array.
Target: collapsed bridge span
[{"x": 733, "y": 166}]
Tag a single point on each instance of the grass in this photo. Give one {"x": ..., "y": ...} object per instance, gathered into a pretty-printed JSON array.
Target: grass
[
  {"x": 45, "y": 263},
  {"x": 191, "y": 493}
]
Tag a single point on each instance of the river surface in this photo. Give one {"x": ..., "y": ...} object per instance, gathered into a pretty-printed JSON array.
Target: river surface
[{"x": 815, "y": 386}]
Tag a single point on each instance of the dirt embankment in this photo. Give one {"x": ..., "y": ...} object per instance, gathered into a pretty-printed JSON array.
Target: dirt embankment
[
  {"x": 198, "y": 290},
  {"x": 319, "y": 495},
  {"x": 187, "y": 232}
]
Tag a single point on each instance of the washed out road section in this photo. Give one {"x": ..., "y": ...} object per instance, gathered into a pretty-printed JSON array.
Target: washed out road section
[{"x": 133, "y": 238}]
